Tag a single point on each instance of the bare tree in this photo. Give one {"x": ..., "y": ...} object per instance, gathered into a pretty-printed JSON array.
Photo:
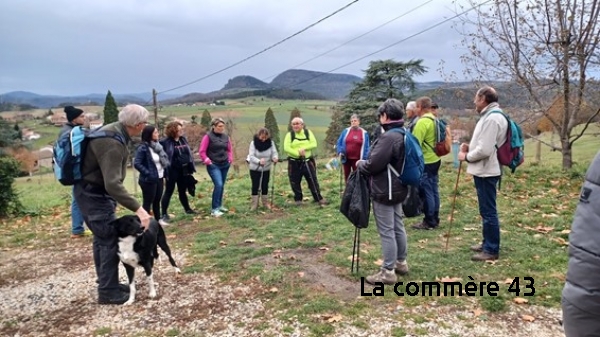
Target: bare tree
[{"x": 545, "y": 49}]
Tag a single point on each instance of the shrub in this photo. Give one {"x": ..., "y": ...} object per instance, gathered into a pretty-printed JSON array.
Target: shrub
[{"x": 9, "y": 200}]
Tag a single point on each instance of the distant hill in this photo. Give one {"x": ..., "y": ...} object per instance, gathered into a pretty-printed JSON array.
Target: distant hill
[
  {"x": 332, "y": 86},
  {"x": 245, "y": 82},
  {"x": 52, "y": 101}
]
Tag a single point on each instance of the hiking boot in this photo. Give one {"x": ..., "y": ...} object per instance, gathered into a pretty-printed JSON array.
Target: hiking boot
[
  {"x": 190, "y": 211},
  {"x": 384, "y": 276},
  {"x": 216, "y": 213},
  {"x": 478, "y": 248},
  {"x": 422, "y": 225},
  {"x": 77, "y": 236},
  {"x": 87, "y": 232},
  {"x": 483, "y": 256},
  {"x": 163, "y": 222},
  {"x": 401, "y": 268},
  {"x": 298, "y": 202},
  {"x": 119, "y": 298},
  {"x": 166, "y": 217},
  {"x": 254, "y": 203},
  {"x": 323, "y": 203},
  {"x": 223, "y": 209},
  {"x": 265, "y": 202}
]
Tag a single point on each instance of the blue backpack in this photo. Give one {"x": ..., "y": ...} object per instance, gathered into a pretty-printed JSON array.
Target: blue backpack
[
  {"x": 68, "y": 151},
  {"x": 511, "y": 153},
  {"x": 414, "y": 164}
]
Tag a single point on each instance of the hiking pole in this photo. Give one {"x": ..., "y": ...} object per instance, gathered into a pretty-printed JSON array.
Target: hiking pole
[
  {"x": 310, "y": 175},
  {"x": 273, "y": 184},
  {"x": 355, "y": 249},
  {"x": 340, "y": 163},
  {"x": 453, "y": 205}
]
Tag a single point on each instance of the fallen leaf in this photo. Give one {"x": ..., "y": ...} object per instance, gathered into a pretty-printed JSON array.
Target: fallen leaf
[
  {"x": 378, "y": 262},
  {"x": 477, "y": 312},
  {"x": 353, "y": 257},
  {"x": 171, "y": 236},
  {"x": 520, "y": 300},
  {"x": 448, "y": 279},
  {"x": 324, "y": 248},
  {"x": 423, "y": 241},
  {"x": 334, "y": 318},
  {"x": 273, "y": 290},
  {"x": 249, "y": 241},
  {"x": 528, "y": 318},
  {"x": 565, "y": 231},
  {"x": 223, "y": 243},
  {"x": 469, "y": 229},
  {"x": 508, "y": 281},
  {"x": 300, "y": 274},
  {"x": 561, "y": 241}
]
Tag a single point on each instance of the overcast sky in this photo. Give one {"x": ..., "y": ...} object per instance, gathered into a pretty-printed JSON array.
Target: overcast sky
[{"x": 76, "y": 47}]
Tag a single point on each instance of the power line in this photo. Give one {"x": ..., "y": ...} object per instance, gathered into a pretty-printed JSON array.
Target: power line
[
  {"x": 389, "y": 46},
  {"x": 352, "y": 40},
  {"x": 262, "y": 51}
]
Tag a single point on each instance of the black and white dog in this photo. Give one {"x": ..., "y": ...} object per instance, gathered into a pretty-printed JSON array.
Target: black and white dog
[{"x": 139, "y": 248}]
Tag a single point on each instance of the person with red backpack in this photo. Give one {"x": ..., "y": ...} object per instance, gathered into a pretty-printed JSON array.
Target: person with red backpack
[{"x": 481, "y": 156}]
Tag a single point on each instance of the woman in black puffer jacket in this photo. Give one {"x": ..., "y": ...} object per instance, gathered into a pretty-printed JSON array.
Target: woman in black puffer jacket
[{"x": 152, "y": 163}]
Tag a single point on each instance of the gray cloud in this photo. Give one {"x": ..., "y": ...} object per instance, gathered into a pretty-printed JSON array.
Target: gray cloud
[{"x": 78, "y": 47}]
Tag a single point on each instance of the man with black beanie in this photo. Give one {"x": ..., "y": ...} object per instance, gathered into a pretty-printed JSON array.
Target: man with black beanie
[{"x": 75, "y": 117}]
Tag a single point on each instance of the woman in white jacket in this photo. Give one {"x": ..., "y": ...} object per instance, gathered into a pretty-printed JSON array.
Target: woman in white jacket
[{"x": 261, "y": 154}]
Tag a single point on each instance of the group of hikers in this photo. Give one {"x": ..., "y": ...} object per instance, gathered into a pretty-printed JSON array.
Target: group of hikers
[{"x": 105, "y": 161}]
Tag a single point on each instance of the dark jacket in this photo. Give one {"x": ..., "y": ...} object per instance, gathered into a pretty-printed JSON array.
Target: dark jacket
[
  {"x": 582, "y": 287},
  {"x": 388, "y": 148},
  {"x": 105, "y": 165},
  {"x": 145, "y": 165},
  {"x": 168, "y": 145}
]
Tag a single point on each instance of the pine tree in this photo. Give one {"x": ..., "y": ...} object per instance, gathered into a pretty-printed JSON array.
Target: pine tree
[
  {"x": 193, "y": 118},
  {"x": 271, "y": 125},
  {"x": 295, "y": 113},
  {"x": 111, "y": 112},
  {"x": 335, "y": 129},
  {"x": 206, "y": 119}
]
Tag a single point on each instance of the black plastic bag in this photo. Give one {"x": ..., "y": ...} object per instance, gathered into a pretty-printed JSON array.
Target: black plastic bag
[{"x": 356, "y": 201}]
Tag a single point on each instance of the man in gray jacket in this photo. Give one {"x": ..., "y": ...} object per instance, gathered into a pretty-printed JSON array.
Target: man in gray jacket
[
  {"x": 480, "y": 154},
  {"x": 581, "y": 294}
]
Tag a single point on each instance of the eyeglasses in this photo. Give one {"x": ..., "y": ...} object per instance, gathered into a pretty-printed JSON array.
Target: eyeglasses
[{"x": 296, "y": 123}]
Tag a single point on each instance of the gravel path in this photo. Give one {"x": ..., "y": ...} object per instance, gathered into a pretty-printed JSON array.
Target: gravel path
[{"x": 51, "y": 292}]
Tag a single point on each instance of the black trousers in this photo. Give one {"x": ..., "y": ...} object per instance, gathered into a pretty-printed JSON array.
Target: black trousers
[
  {"x": 151, "y": 195},
  {"x": 176, "y": 177},
  {"x": 98, "y": 209},
  {"x": 307, "y": 169},
  {"x": 256, "y": 182}
]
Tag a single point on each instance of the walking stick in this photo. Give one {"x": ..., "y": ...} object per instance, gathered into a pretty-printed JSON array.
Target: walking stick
[
  {"x": 453, "y": 205},
  {"x": 356, "y": 249},
  {"x": 273, "y": 185},
  {"x": 340, "y": 163},
  {"x": 310, "y": 175}
]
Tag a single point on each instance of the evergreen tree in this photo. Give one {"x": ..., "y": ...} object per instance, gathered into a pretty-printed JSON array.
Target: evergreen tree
[
  {"x": 295, "y": 113},
  {"x": 206, "y": 118},
  {"x": 194, "y": 117},
  {"x": 111, "y": 112},
  {"x": 271, "y": 125},
  {"x": 334, "y": 130}
]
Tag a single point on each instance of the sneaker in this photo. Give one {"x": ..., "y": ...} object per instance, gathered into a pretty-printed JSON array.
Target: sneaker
[
  {"x": 422, "y": 225},
  {"x": 190, "y": 211},
  {"x": 77, "y": 236},
  {"x": 166, "y": 217},
  {"x": 323, "y": 203},
  {"x": 87, "y": 232},
  {"x": 120, "y": 298},
  {"x": 384, "y": 276},
  {"x": 298, "y": 202},
  {"x": 223, "y": 209},
  {"x": 477, "y": 248},
  {"x": 216, "y": 213},
  {"x": 401, "y": 268},
  {"x": 163, "y": 222},
  {"x": 483, "y": 256}
]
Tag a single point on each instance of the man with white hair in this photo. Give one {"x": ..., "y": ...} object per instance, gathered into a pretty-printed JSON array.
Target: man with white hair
[
  {"x": 103, "y": 169},
  {"x": 411, "y": 115},
  {"x": 298, "y": 144}
]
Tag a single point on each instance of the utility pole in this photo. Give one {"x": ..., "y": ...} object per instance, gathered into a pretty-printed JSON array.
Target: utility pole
[{"x": 155, "y": 108}]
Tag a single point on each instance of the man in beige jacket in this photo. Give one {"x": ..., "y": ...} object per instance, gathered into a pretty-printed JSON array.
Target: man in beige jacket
[{"x": 480, "y": 154}]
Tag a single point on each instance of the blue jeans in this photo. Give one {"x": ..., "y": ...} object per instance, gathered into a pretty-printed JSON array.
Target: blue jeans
[
  {"x": 430, "y": 194},
  {"x": 218, "y": 174},
  {"x": 76, "y": 216},
  {"x": 486, "y": 196}
]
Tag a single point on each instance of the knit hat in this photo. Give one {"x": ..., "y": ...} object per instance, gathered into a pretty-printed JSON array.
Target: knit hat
[{"x": 72, "y": 112}]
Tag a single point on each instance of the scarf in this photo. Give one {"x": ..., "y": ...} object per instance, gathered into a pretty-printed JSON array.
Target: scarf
[
  {"x": 261, "y": 146},
  {"x": 162, "y": 155}
]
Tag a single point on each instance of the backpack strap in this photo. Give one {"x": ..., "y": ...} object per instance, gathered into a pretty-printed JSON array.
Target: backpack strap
[{"x": 508, "y": 140}]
